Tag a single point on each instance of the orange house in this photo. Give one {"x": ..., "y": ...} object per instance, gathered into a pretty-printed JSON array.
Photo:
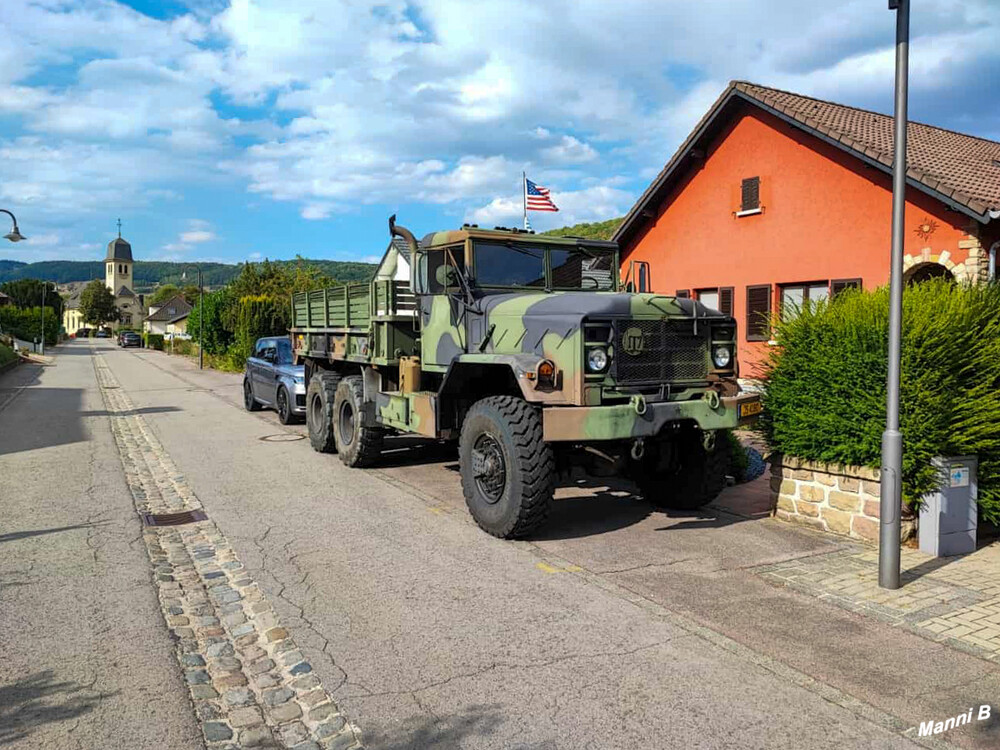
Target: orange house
[{"x": 776, "y": 200}]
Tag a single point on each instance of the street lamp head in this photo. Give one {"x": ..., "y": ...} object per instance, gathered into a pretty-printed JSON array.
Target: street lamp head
[{"x": 15, "y": 235}]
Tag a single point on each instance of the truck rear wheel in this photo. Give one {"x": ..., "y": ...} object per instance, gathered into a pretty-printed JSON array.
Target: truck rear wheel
[
  {"x": 697, "y": 479},
  {"x": 507, "y": 469},
  {"x": 359, "y": 438},
  {"x": 319, "y": 410}
]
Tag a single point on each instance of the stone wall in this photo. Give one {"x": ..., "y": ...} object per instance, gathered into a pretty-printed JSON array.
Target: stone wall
[{"x": 830, "y": 497}]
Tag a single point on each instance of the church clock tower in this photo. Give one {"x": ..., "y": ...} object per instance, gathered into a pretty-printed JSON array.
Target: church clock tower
[{"x": 118, "y": 264}]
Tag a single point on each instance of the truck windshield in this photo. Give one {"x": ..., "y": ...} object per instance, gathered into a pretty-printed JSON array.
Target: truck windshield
[{"x": 522, "y": 265}]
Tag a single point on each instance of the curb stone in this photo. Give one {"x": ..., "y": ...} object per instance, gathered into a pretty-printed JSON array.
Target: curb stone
[{"x": 242, "y": 668}]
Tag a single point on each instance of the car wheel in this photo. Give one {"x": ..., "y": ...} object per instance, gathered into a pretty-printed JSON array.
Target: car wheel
[
  {"x": 249, "y": 402},
  {"x": 283, "y": 407}
]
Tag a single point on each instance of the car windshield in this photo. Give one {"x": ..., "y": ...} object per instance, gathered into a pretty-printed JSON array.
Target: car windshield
[{"x": 523, "y": 265}]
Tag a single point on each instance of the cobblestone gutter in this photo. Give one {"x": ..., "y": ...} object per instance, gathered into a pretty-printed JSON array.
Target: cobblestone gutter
[{"x": 250, "y": 684}]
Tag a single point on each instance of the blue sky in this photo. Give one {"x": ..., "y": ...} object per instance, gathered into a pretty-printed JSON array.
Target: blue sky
[{"x": 240, "y": 129}]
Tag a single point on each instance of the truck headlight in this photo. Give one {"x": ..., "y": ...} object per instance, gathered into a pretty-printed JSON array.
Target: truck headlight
[
  {"x": 597, "y": 359},
  {"x": 722, "y": 356}
]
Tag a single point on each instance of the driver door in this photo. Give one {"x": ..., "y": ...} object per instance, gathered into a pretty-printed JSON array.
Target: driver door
[{"x": 442, "y": 310}]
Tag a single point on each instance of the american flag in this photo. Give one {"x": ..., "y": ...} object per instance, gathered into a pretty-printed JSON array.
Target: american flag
[{"x": 537, "y": 198}]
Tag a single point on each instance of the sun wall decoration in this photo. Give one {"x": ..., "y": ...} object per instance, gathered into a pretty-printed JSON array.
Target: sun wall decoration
[{"x": 926, "y": 228}]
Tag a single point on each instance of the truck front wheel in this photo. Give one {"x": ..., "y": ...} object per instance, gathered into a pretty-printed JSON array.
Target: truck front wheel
[
  {"x": 696, "y": 479},
  {"x": 319, "y": 410},
  {"x": 359, "y": 439},
  {"x": 507, "y": 469}
]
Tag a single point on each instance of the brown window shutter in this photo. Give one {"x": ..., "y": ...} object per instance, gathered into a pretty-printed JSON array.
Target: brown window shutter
[
  {"x": 683, "y": 293},
  {"x": 758, "y": 312},
  {"x": 726, "y": 300},
  {"x": 750, "y": 194},
  {"x": 839, "y": 285}
]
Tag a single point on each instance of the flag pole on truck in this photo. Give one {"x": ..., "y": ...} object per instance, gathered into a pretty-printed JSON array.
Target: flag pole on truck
[{"x": 524, "y": 200}]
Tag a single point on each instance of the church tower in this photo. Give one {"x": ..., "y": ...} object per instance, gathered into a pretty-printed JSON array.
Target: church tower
[{"x": 118, "y": 264}]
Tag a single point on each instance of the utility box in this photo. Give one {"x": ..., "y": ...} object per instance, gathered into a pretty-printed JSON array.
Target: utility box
[{"x": 948, "y": 517}]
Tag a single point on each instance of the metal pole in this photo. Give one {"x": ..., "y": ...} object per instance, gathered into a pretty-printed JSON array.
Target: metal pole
[
  {"x": 44, "y": 285},
  {"x": 892, "y": 440},
  {"x": 201, "y": 322}
]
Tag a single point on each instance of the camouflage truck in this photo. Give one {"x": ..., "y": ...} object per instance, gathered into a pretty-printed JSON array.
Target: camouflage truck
[{"x": 533, "y": 354}]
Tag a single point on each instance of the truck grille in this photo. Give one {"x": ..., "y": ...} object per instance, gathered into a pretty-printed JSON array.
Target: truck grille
[{"x": 648, "y": 351}]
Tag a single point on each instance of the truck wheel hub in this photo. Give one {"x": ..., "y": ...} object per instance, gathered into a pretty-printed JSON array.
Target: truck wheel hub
[{"x": 489, "y": 468}]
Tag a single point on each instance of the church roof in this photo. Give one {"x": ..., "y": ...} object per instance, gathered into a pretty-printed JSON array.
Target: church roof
[
  {"x": 119, "y": 249},
  {"x": 125, "y": 292}
]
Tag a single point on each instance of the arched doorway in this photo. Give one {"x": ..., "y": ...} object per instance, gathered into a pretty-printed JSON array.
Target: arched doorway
[{"x": 926, "y": 272}]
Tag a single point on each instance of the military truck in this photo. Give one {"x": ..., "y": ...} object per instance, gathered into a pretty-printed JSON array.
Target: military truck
[{"x": 536, "y": 357}]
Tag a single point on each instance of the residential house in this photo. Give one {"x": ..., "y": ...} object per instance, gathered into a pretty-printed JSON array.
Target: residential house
[
  {"x": 776, "y": 200},
  {"x": 168, "y": 318}
]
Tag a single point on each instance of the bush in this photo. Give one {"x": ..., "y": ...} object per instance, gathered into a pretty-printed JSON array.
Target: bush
[
  {"x": 26, "y": 323},
  {"x": 825, "y": 392},
  {"x": 7, "y": 355},
  {"x": 153, "y": 341}
]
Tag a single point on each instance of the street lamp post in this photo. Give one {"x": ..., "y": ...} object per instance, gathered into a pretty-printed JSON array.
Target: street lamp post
[
  {"x": 891, "y": 495},
  {"x": 201, "y": 315},
  {"x": 44, "y": 286},
  {"x": 15, "y": 234}
]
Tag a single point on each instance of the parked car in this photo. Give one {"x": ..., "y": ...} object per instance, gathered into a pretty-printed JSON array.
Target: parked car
[
  {"x": 272, "y": 380},
  {"x": 103, "y": 333},
  {"x": 82, "y": 333},
  {"x": 129, "y": 338}
]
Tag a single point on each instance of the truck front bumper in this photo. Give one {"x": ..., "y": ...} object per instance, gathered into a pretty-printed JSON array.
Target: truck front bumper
[{"x": 624, "y": 421}]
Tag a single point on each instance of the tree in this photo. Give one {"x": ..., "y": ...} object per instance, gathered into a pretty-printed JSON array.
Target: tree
[
  {"x": 97, "y": 304},
  {"x": 162, "y": 294},
  {"x": 28, "y": 293}
]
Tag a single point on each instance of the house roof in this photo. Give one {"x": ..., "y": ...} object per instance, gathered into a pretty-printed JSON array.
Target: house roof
[
  {"x": 173, "y": 309},
  {"x": 119, "y": 249},
  {"x": 961, "y": 170}
]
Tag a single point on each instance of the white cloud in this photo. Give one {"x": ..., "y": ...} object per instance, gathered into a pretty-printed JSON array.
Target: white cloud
[{"x": 196, "y": 235}]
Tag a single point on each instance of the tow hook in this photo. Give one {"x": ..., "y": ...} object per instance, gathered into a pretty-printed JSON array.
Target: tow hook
[
  {"x": 713, "y": 400},
  {"x": 639, "y": 404},
  {"x": 708, "y": 439},
  {"x": 638, "y": 449}
]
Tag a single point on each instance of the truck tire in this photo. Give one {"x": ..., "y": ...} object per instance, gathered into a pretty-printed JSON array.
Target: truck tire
[
  {"x": 359, "y": 438},
  {"x": 507, "y": 469},
  {"x": 697, "y": 481},
  {"x": 319, "y": 410}
]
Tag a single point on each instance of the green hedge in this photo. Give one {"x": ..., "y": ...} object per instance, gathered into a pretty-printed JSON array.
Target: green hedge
[
  {"x": 7, "y": 355},
  {"x": 26, "y": 323},
  {"x": 153, "y": 341},
  {"x": 825, "y": 390}
]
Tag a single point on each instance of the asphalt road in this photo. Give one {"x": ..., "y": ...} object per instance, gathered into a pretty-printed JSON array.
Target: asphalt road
[{"x": 617, "y": 627}]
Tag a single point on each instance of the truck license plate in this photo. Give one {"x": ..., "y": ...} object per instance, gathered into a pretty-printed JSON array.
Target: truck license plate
[{"x": 749, "y": 409}]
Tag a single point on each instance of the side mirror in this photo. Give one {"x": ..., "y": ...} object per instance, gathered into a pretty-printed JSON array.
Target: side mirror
[{"x": 446, "y": 275}]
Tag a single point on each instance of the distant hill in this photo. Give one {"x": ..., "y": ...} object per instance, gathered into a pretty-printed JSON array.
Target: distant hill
[
  {"x": 597, "y": 230},
  {"x": 149, "y": 274}
]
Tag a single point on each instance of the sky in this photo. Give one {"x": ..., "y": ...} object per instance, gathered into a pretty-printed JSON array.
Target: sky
[{"x": 232, "y": 130}]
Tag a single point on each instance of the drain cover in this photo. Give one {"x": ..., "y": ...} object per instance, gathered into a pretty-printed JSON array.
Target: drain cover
[
  {"x": 282, "y": 437},
  {"x": 173, "y": 519}
]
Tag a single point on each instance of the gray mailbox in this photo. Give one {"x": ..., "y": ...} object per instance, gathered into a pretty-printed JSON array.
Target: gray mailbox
[{"x": 948, "y": 517}]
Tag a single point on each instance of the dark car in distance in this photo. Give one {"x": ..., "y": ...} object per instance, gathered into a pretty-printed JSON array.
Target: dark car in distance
[
  {"x": 129, "y": 338},
  {"x": 103, "y": 333},
  {"x": 272, "y": 380}
]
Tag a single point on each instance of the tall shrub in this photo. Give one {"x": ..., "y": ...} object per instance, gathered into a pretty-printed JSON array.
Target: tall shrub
[
  {"x": 258, "y": 315},
  {"x": 26, "y": 323},
  {"x": 825, "y": 392}
]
